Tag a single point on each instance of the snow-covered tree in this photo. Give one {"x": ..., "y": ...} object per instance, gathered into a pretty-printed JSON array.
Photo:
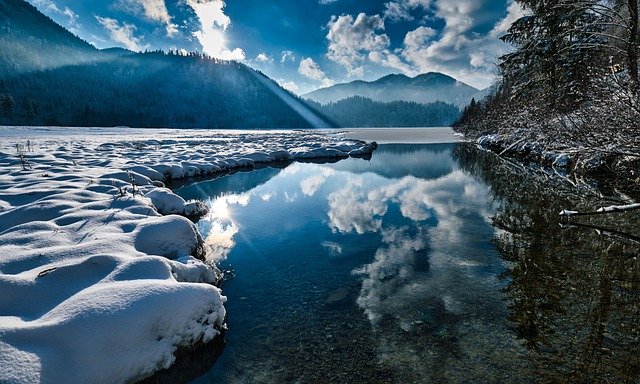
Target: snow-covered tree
[{"x": 557, "y": 50}]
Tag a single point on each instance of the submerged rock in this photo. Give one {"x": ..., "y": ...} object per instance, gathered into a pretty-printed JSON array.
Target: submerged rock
[{"x": 338, "y": 297}]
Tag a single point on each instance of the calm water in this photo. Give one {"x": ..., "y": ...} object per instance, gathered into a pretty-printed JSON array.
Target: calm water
[{"x": 427, "y": 264}]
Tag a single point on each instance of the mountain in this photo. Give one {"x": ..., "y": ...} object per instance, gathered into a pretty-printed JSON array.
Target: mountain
[
  {"x": 356, "y": 111},
  {"x": 48, "y": 76},
  {"x": 426, "y": 88},
  {"x": 31, "y": 41}
]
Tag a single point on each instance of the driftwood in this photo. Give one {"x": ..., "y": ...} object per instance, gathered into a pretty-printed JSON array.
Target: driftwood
[{"x": 603, "y": 210}]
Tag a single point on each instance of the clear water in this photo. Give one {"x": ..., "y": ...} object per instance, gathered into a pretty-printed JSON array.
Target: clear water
[{"x": 427, "y": 264}]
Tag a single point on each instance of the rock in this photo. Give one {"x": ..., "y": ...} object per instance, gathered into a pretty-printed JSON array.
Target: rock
[{"x": 338, "y": 297}]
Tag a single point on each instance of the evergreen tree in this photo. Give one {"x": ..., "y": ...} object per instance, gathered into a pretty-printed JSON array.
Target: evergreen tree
[{"x": 557, "y": 49}]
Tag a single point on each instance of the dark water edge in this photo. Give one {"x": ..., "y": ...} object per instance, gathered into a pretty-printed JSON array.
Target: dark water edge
[
  {"x": 564, "y": 308},
  {"x": 191, "y": 363},
  {"x": 613, "y": 173},
  {"x": 574, "y": 292}
]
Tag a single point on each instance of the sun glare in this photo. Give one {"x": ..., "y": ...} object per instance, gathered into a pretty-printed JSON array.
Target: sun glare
[{"x": 220, "y": 209}]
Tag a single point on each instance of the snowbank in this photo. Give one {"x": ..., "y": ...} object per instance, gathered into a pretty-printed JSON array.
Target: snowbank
[{"x": 100, "y": 280}]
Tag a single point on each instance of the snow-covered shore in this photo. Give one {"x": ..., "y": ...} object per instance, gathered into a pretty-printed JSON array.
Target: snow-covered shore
[{"x": 100, "y": 284}]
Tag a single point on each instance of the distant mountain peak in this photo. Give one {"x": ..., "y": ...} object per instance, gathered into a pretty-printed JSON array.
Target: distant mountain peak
[
  {"x": 424, "y": 89},
  {"x": 392, "y": 77}
]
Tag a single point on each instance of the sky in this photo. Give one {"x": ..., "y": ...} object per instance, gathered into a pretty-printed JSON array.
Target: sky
[{"x": 307, "y": 44}]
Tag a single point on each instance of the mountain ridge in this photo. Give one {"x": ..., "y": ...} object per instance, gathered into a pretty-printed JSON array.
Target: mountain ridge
[
  {"x": 49, "y": 76},
  {"x": 424, "y": 88}
]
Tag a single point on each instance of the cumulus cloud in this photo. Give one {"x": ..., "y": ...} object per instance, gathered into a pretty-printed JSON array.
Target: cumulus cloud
[
  {"x": 289, "y": 85},
  {"x": 458, "y": 49},
  {"x": 325, "y": 2},
  {"x": 264, "y": 58},
  {"x": 154, "y": 10},
  {"x": 310, "y": 69},
  {"x": 121, "y": 33},
  {"x": 351, "y": 209},
  {"x": 351, "y": 40},
  {"x": 214, "y": 22}
]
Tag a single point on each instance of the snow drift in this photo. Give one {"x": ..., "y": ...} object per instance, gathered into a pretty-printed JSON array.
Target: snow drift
[{"x": 101, "y": 278}]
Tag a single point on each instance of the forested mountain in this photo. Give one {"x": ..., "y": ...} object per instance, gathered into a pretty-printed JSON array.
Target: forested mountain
[
  {"x": 425, "y": 88},
  {"x": 31, "y": 41},
  {"x": 572, "y": 79},
  {"x": 358, "y": 111},
  {"x": 49, "y": 76}
]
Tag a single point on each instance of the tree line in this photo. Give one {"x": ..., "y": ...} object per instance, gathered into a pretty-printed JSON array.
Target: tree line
[
  {"x": 572, "y": 76},
  {"x": 359, "y": 111},
  {"x": 150, "y": 89}
]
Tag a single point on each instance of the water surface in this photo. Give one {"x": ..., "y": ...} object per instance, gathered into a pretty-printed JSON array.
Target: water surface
[{"x": 427, "y": 264}]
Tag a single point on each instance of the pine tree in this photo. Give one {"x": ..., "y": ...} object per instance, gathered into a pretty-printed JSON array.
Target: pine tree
[{"x": 555, "y": 53}]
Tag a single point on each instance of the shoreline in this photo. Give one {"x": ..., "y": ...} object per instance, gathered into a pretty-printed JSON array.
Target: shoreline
[
  {"x": 619, "y": 172},
  {"x": 103, "y": 198}
]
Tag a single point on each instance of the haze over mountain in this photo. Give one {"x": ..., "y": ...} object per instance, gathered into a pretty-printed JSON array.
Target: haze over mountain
[
  {"x": 426, "y": 88},
  {"x": 357, "y": 112},
  {"x": 49, "y": 76}
]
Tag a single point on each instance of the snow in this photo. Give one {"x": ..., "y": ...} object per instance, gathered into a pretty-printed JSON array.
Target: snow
[
  {"x": 524, "y": 149},
  {"x": 603, "y": 210},
  {"x": 620, "y": 208},
  {"x": 167, "y": 203},
  {"x": 101, "y": 278}
]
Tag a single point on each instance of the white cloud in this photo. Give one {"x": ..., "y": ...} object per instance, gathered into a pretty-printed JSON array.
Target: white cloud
[
  {"x": 121, "y": 33},
  {"x": 514, "y": 12},
  {"x": 352, "y": 39},
  {"x": 325, "y": 2},
  {"x": 457, "y": 49},
  {"x": 154, "y": 10},
  {"x": 287, "y": 56},
  {"x": 403, "y": 9},
  {"x": 352, "y": 209},
  {"x": 289, "y": 85},
  {"x": 310, "y": 69},
  {"x": 50, "y": 6},
  {"x": 214, "y": 22},
  {"x": 334, "y": 249},
  {"x": 311, "y": 184},
  {"x": 264, "y": 58}
]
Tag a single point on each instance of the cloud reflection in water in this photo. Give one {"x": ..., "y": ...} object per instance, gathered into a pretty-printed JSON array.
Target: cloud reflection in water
[{"x": 401, "y": 241}]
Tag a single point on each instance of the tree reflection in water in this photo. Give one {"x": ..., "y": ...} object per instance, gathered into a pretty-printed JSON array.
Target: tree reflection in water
[{"x": 574, "y": 293}]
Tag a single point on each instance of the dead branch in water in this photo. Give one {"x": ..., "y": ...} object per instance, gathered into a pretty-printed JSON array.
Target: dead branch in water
[{"x": 603, "y": 210}]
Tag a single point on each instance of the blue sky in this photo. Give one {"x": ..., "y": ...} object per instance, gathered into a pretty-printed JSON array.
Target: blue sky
[{"x": 307, "y": 44}]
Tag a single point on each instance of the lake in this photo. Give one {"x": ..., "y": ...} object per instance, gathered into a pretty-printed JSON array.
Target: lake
[{"x": 426, "y": 264}]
